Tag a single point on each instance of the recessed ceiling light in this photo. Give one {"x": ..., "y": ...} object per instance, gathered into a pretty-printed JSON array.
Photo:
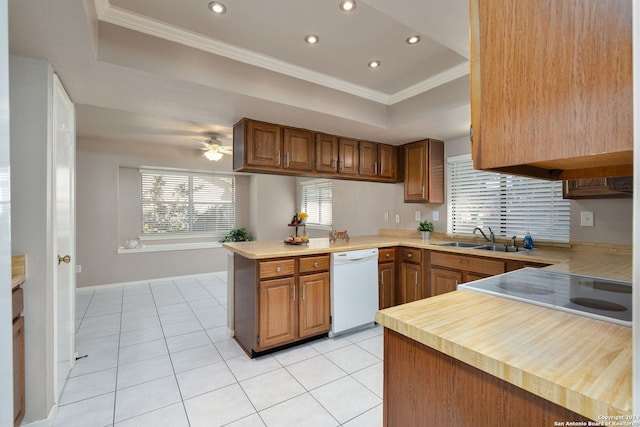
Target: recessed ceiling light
[
  {"x": 413, "y": 39},
  {"x": 347, "y": 5},
  {"x": 217, "y": 8},
  {"x": 312, "y": 39},
  {"x": 374, "y": 64}
]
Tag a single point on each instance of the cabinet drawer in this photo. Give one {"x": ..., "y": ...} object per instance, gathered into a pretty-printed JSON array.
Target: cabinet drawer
[
  {"x": 313, "y": 264},
  {"x": 17, "y": 302},
  {"x": 411, "y": 255},
  {"x": 386, "y": 255},
  {"x": 277, "y": 268},
  {"x": 460, "y": 262}
]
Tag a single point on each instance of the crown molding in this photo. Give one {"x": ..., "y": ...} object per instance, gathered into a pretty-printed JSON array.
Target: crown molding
[
  {"x": 117, "y": 16},
  {"x": 432, "y": 82}
]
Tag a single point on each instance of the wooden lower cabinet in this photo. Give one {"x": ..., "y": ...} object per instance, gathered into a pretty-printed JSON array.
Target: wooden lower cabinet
[
  {"x": 423, "y": 387},
  {"x": 18, "y": 370},
  {"x": 443, "y": 280},
  {"x": 448, "y": 270},
  {"x": 386, "y": 277},
  {"x": 277, "y": 312},
  {"x": 410, "y": 282},
  {"x": 280, "y": 301},
  {"x": 314, "y": 306}
]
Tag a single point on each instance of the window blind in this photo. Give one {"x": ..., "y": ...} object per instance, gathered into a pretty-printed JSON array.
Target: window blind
[
  {"x": 511, "y": 205},
  {"x": 317, "y": 201},
  {"x": 179, "y": 203}
]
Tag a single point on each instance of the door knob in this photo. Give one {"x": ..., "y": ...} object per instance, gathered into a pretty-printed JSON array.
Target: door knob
[{"x": 66, "y": 259}]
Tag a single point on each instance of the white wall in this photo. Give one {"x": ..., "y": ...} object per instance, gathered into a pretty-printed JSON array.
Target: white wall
[
  {"x": 6, "y": 334},
  {"x": 31, "y": 229},
  {"x": 108, "y": 212}
]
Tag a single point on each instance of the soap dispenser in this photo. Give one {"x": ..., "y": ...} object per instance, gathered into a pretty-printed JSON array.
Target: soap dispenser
[{"x": 528, "y": 241}]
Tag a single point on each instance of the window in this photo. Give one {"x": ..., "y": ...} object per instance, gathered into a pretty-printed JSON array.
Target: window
[
  {"x": 511, "y": 205},
  {"x": 180, "y": 204},
  {"x": 316, "y": 202}
]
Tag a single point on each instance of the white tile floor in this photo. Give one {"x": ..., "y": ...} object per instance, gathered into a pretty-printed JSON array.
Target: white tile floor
[{"x": 158, "y": 355}]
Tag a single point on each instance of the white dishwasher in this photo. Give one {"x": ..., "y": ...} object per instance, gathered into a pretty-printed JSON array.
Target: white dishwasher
[{"x": 354, "y": 289}]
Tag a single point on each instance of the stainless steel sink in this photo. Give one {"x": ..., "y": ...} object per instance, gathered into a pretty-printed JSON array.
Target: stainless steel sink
[
  {"x": 459, "y": 244},
  {"x": 500, "y": 248},
  {"x": 482, "y": 246}
]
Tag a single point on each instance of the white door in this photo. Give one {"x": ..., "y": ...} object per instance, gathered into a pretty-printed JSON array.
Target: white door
[{"x": 64, "y": 234}]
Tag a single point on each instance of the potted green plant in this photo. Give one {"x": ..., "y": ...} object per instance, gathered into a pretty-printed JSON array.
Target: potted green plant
[
  {"x": 426, "y": 227},
  {"x": 237, "y": 235}
]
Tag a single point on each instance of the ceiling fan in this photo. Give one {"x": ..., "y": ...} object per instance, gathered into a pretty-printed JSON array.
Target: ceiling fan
[{"x": 213, "y": 148}]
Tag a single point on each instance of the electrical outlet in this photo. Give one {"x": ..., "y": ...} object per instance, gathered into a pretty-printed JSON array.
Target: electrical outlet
[
  {"x": 436, "y": 215},
  {"x": 386, "y": 216},
  {"x": 586, "y": 219},
  {"x": 397, "y": 217},
  {"x": 418, "y": 215},
  {"x": 78, "y": 268}
]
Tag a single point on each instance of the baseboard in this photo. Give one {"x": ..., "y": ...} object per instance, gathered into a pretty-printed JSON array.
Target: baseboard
[
  {"x": 47, "y": 422},
  {"x": 144, "y": 282}
]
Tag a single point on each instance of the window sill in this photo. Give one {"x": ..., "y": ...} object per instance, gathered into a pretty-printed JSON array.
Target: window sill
[{"x": 170, "y": 247}]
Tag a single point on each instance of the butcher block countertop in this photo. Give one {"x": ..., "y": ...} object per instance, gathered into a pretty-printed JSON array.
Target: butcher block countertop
[
  {"x": 18, "y": 271},
  {"x": 577, "y": 362},
  {"x": 580, "y": 363}
]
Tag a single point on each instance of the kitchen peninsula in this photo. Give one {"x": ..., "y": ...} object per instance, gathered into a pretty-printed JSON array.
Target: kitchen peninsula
[{"x": 515, "y": 353}]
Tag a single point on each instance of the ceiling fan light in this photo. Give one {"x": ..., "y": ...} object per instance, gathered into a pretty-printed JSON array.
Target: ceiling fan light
[{"x": 213, "y": 155}]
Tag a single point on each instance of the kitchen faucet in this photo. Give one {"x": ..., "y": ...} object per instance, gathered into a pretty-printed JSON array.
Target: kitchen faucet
[{"x": 492, "y": 238}]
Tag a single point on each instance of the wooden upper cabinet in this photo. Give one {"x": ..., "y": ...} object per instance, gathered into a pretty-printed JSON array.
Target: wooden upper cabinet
[
  {"x": 299, "y": 149},
  {"x": 424, "y": 172},
  {"x": 599, "y": 188},
  {"x": 368, "y": 152},
  {"x": 551, "y": 87},
  {"x": 265, "y": 144},
  {"x": 348, "y": 156},
  {"x": 387, "y": 161},
  {"x": 378, "y": 160},
  {"x": 326, "y": 153}
]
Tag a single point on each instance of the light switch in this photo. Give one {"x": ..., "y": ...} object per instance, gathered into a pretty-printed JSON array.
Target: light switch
[
  {"x": 418, "y": 215},
  {"x": 386, "y": 216},
  {"x": 586, "y": 219},
  {"x": 397, "y": 217},
  {"x": 436, "y": 215}
]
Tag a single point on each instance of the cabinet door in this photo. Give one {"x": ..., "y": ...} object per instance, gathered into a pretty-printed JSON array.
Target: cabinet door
[
  {"x": 386, "y": 284},
  {"x": 424, "y": 171},
  {"x": 326, "y": 153},
  {"x": 277, "y": 318},
  {"x": 443, "y": 281},
  {"x": 541, "y": 101},
  {"x": 368, "y": 152},
  {"x": 263, "y": 144},
  {"x": 298, "y": 148},
  {"x": 470, "y": 277},
  {"x": 315, "y": 305},
  {"x": 348, "y": 156},
  {"x": 387, "y": 161},
  {"x": 18, "y": 370},
  {"x": 411, "y": 282},
  {"x": 598, "y": 188}
]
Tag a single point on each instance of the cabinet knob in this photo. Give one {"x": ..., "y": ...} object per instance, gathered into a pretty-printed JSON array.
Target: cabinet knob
[
  {"x": 463, "y": 260},
  {"x": 409, "y": 255},
  {"x": 315, "y": 264},
  {"x": 278, "y": 269}
]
